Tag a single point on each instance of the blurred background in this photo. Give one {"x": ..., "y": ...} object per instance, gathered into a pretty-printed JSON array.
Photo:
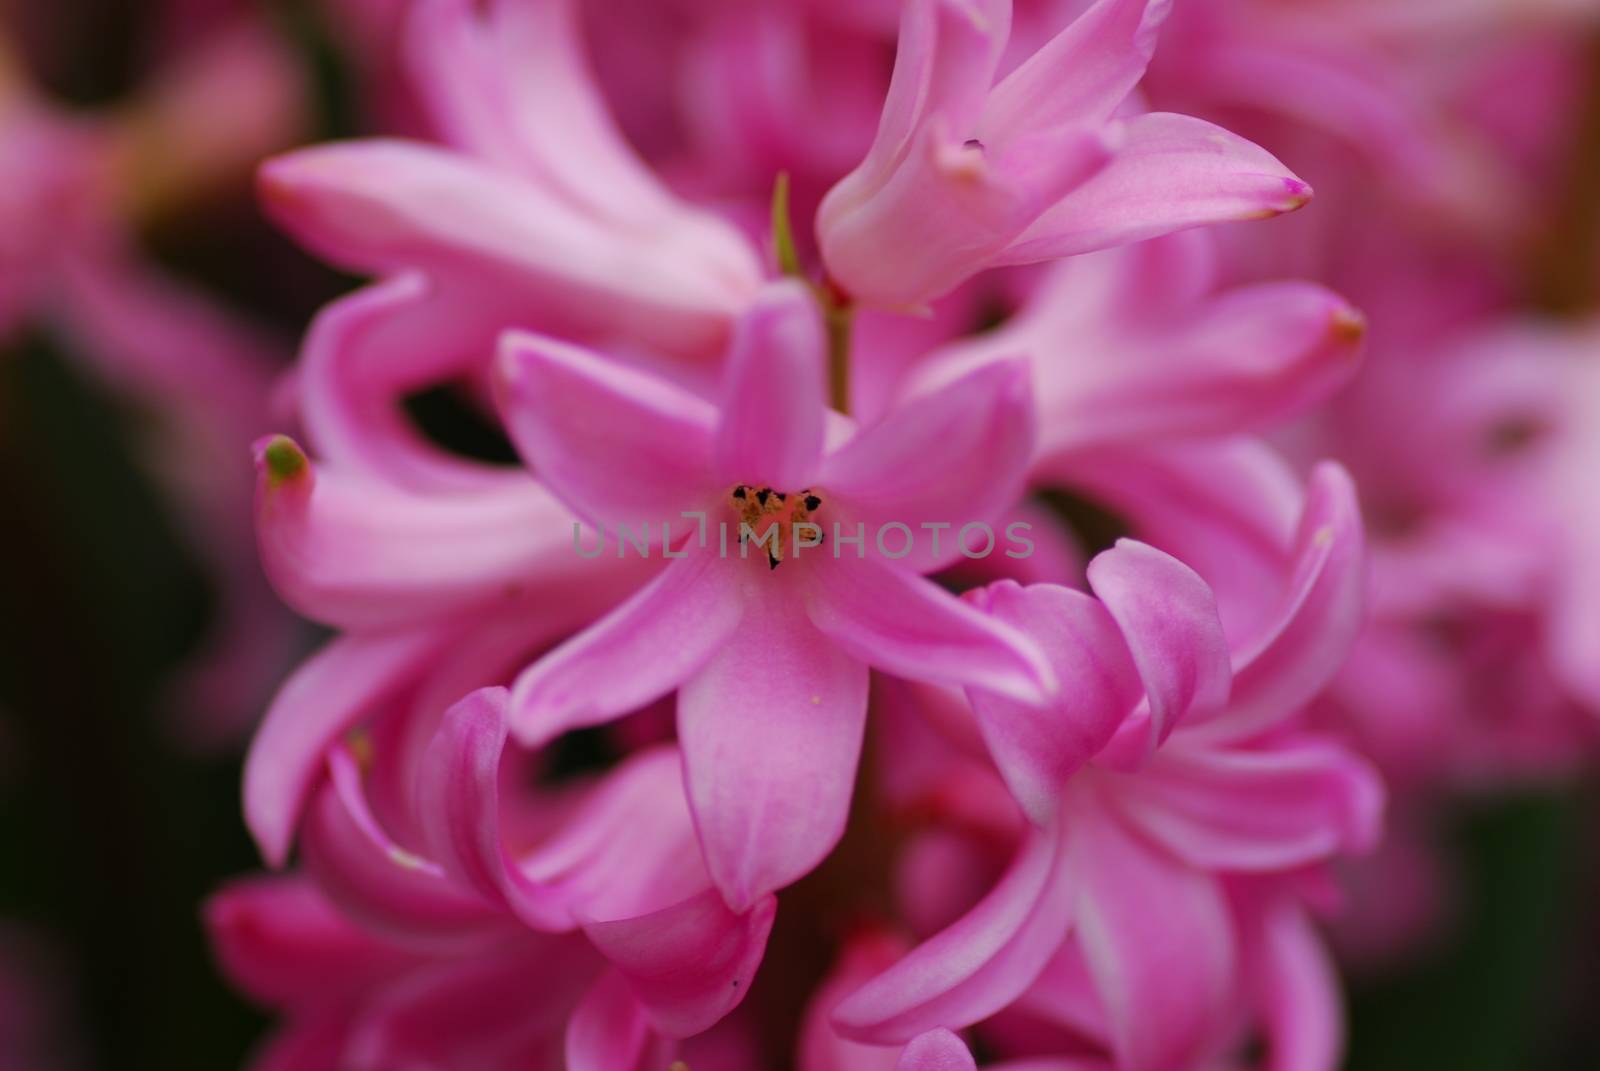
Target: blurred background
[{"x": 147, "y": 308}]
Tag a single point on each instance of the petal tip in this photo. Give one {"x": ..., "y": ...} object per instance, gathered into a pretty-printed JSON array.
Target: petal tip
[
  {"x": 1297, "y": 195},
  {"x": 280, "y": 460},
  {"x": 1347, "y": 325}
]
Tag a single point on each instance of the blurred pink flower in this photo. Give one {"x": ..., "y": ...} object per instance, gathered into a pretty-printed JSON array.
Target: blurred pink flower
[
  {"x": 1140, "y": 835},
  {"x": 76, "y": 188},
  {"x": 1133, "y": 347},
  {"x": 535, "y": 213},
  {"x": 966, "y": 174},
  {"x": 423, "y": 832}
]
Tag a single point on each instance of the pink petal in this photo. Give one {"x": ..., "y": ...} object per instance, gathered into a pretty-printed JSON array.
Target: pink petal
[
  {"x": 1158, "y": 940},
  {"x": 937, "y": 1050},
  {"x": 1319, "y": 618},
  {"x": 366, "y": 351},
  {"x": 770, "y": 429},
  {"x": 820, "y": 1048},
  {"x": 354, "y": 553},
  {"x": 619, "y": 446},
  {"x": 387, "y": 888},
  {"x": 898, "y": 622},
  {"x": 384, "y": 206},
  {"x": 513, "y": 86},
  {"x": 609, "y": 1031},
  {"x": 1168, "y": 618},
  {"x": 1038, "y": 748},
  {"x": 1083, "y": 73},
  {"x": 277, "y": 939},
  {"x": 499, "y": 1008},
  {"x": 944, "y": 64},
  {"x": 1171, "y": 172},
  {"x": 628, "y": 848},
  {"x": 332, "y": 691},
  {"x": 1262, "y": 810},
  {"x": 951, "y": 209},
  {"x": 640, "y": 651},
  {"x": 955, "y": 456},
  {"x": 1247, "y": 359},
  {"x": 978, "y": 965},
  {"x": 1227, "y": 509},
  {"x": 771, "y": 731},
  {"x": 459, "y": 801},
  {"x": 689, "y": 964},
  {"x": 1297, "y": 987}
]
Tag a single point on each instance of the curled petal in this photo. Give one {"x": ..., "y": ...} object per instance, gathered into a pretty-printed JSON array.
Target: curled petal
[
  {"x": 366, "y": 351},
  {"x": 629, "y": 849},
  {"x": 355, "y": 553},
  {"x": 688, "y": 964},
  {"x": 1319, "y": 618},
  {"x": 979, "y": 964},
  {"x": 1038, "y": 748},
  {"x": 1298, "y": 990},
  {"x": 331, "y": 692},
  {"x": 458, "y": 796},
  {"x": 1168, "y": 618},
  {"x": 937, "y": 1050},
  {"x": 385, "y": 886},
  {"x": 1259, "y": 810}
]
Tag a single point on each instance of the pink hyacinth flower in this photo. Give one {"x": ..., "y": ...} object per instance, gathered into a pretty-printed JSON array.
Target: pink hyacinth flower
[
  {"x": 1135, "y": 840},
  {"x": 1136, "y": 346},
  {"x": 966, "y": 174},
  {"x": 351, "y": 1000},
  {"x": 1287, "y": 988},
  {"x": 537, "y": 214},
  {"x": 770, "y": 657},
  {"x": 424, "y": 833}
]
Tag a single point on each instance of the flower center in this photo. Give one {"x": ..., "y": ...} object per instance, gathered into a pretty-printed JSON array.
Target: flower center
[{"x": 776, "y": 521}]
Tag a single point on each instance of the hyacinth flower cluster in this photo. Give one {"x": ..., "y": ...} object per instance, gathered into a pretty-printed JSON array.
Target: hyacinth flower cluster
[{"x": 891, "y": 765}]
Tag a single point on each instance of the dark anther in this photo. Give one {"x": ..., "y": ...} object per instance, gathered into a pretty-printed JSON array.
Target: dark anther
[
  {"x": 972, "y": 143},
  {"x": 763, "y": 494},
  {"x": 812, "y": 502},
  {"x": 738, "y": 492}
]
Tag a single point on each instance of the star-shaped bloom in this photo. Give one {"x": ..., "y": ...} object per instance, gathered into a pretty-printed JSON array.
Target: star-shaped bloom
[{"x": 769, "y": 653}]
